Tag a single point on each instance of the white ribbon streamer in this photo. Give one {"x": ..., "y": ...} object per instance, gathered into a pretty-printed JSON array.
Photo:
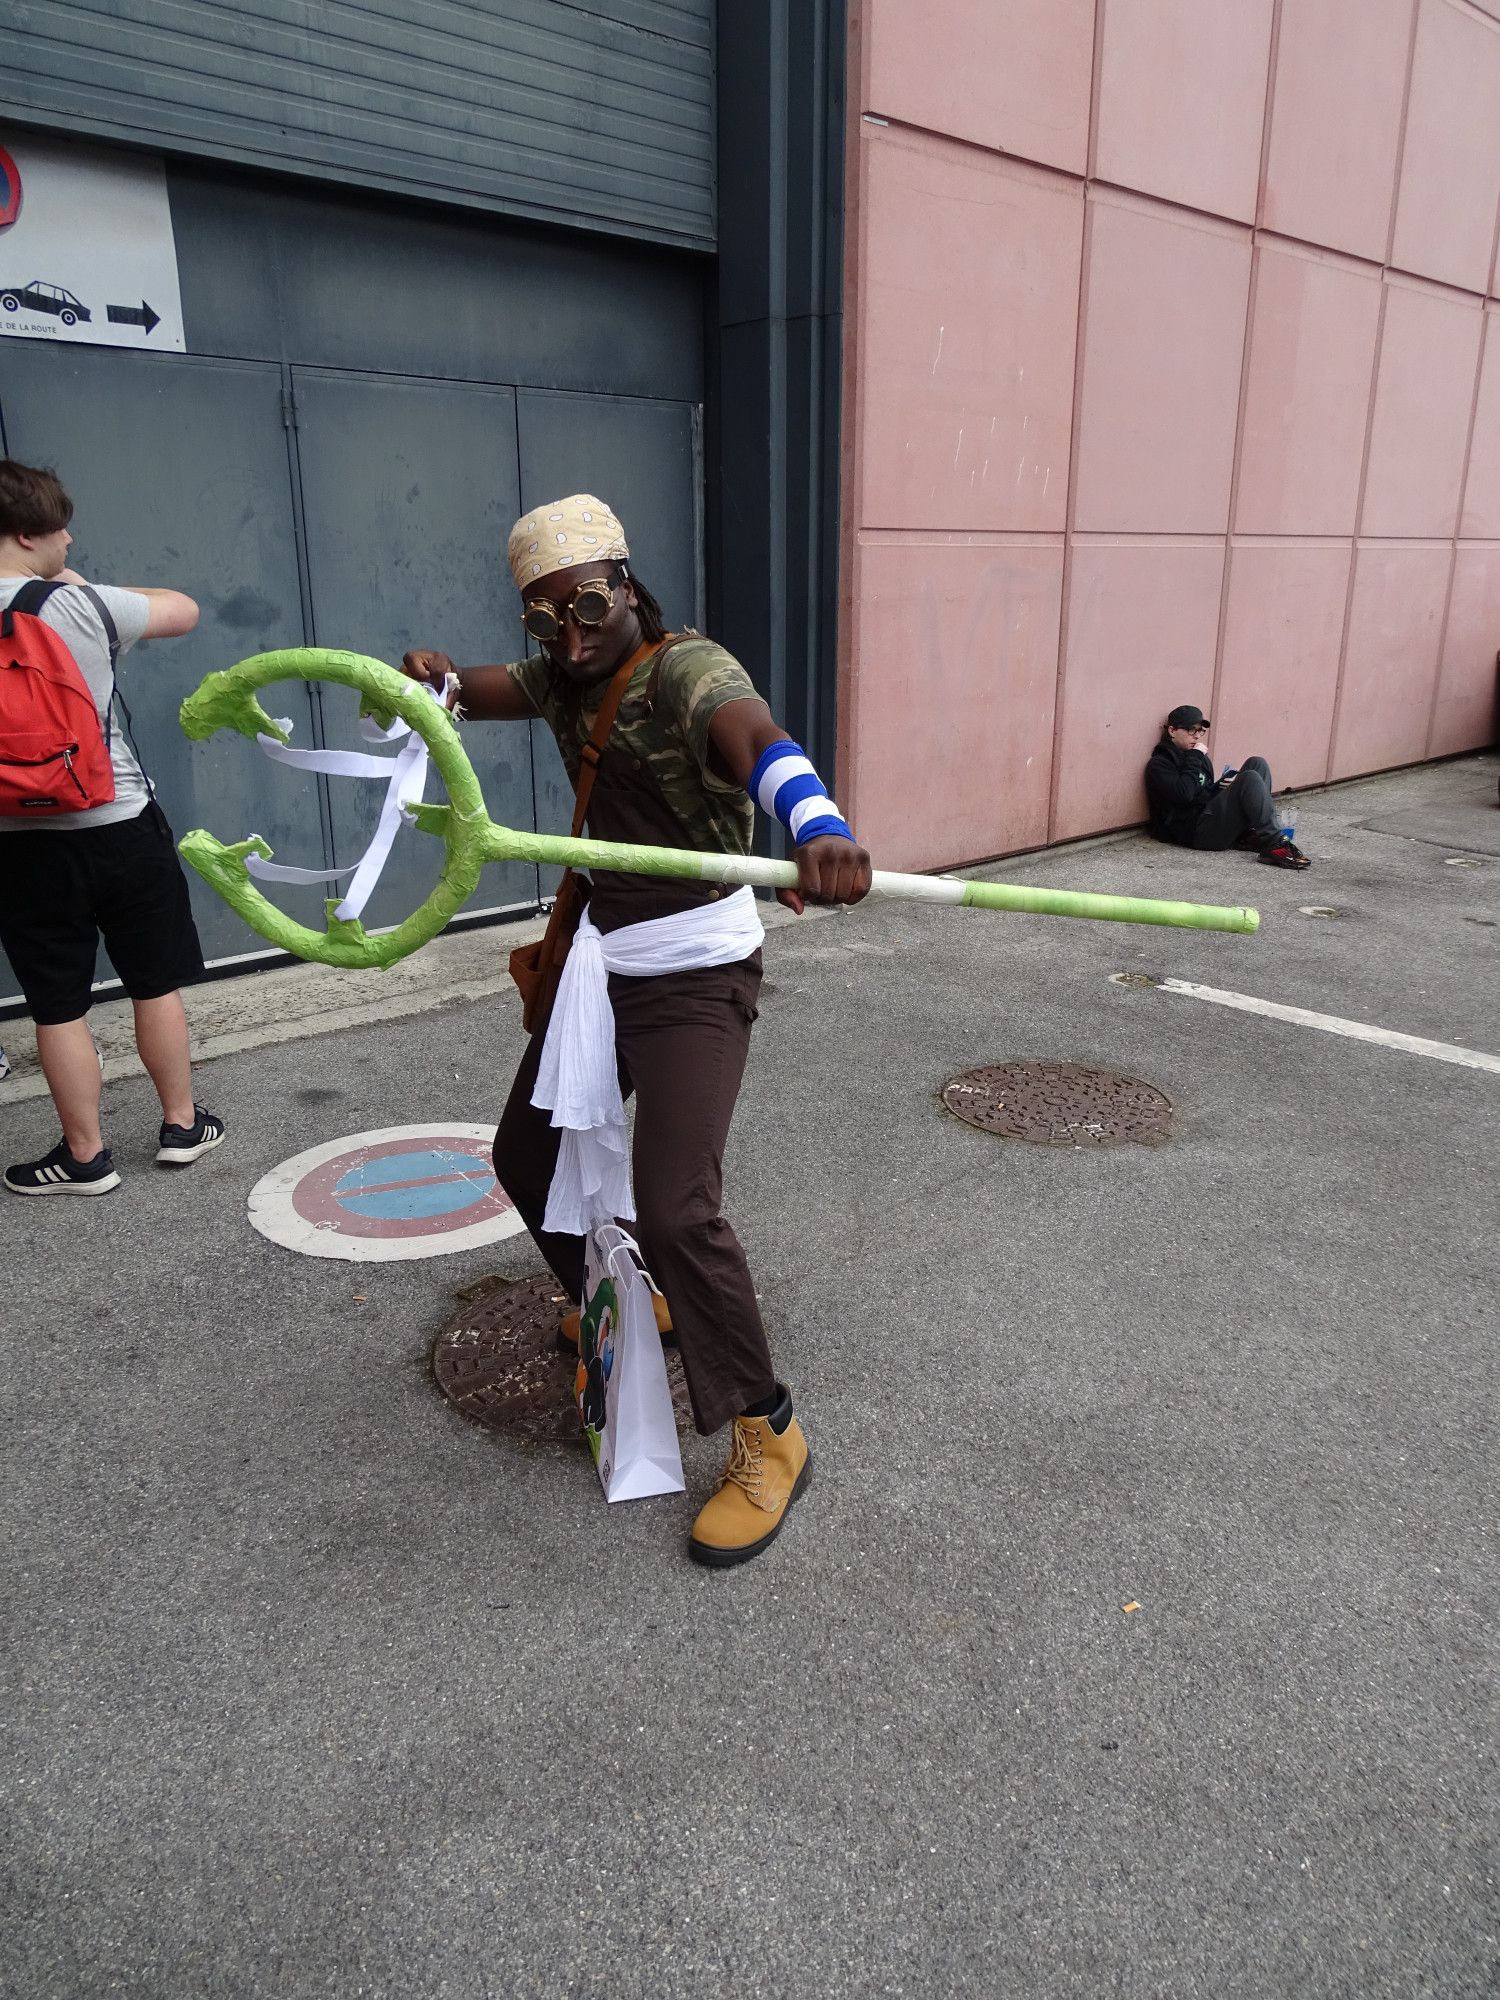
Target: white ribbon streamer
[
  {"x": 405, "y": 777},
  {"x": 578, "y": 1079}
]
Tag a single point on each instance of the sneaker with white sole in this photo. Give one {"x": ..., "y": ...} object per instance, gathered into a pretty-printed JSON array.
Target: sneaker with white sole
[
  {"x": 58, "y": 1172},
  {"x": 180, "y": 1145}
]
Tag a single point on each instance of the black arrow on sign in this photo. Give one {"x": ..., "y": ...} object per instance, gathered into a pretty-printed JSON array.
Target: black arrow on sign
[{"x": 140, "y": 315}]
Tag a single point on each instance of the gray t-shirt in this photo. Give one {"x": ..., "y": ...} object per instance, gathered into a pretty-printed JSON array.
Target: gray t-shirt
[{"x": 76, "y": 622}]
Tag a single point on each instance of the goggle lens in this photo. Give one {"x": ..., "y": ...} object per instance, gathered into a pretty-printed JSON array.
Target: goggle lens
[{"x": 589, "y": 606}]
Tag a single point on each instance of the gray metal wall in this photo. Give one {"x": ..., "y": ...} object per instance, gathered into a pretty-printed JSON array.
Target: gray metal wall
[
  {"x": 371, "y": 398},
  {"x": 774, "y": 433},
  {"x": 598, "y": 114}
]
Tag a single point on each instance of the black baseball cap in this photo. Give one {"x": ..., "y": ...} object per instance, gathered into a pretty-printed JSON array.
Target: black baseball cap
[{"x": 1188, "y": 717}]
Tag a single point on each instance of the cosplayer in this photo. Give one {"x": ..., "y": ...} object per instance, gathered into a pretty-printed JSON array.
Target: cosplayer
[{"x": 667, "y": 743}]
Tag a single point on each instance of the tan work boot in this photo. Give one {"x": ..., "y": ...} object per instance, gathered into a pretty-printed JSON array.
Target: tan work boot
[
  {"x": 768, "y": 1469},
  {"x": 567, "y": 1326}
]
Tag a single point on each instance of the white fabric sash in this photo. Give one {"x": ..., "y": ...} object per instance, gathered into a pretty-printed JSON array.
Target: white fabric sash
[
  {"x": 579, "y": 1081},
  {"x": 405, "y": 778}
]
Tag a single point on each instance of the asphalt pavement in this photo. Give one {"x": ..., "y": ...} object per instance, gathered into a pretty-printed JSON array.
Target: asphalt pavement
[{"x": 1137, "y": 1635}]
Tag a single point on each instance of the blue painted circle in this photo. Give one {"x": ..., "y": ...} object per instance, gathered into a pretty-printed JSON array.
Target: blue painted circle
[{"x": 427, "y": 1181}]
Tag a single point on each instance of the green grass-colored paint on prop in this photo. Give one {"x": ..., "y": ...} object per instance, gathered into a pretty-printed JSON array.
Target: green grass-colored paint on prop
[{"x": 471, "y": 838}]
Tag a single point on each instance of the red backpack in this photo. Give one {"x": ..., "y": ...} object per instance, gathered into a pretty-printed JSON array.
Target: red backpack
[{"x": 54, "y": 752}]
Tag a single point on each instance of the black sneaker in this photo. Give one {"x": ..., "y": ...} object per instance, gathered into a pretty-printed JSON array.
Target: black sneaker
[
  {"x": 59, "y": 1173},
  {"x": 180, "y": 1145},
  {"x": 1284, "y": 854}
]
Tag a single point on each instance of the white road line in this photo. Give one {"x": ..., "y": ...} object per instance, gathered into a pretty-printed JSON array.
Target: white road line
[{"x": 1331, "y": 1024}]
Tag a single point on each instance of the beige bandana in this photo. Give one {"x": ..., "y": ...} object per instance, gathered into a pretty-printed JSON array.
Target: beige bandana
[{"x": 580, "y": 529}]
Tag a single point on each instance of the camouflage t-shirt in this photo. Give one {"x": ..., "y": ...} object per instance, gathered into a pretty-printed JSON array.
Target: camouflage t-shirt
[{"x": 660, "y": 736}]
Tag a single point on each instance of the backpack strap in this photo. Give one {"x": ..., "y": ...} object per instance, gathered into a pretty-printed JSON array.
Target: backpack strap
[
  {"x": 112, "y": 640},
  {"x": 112, "y": 637},
  {"x": 29, "y": 600}
]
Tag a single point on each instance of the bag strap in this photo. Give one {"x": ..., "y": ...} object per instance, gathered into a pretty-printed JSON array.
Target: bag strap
[
  {"x": 593, "y": 750},
  {"x": 28, "y": 600},
  {"x": 112, "y": 637},
  {"x": 112, "y": 640}
]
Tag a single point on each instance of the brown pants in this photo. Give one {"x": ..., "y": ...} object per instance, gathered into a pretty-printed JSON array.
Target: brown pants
[{"x": 682, "y": 1040}]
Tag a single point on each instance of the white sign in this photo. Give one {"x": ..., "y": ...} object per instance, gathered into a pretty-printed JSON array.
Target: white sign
[{"x": 86, "y": 246}]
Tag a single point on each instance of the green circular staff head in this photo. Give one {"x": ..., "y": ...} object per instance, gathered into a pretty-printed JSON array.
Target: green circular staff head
[{"x": 228, "y": 701}]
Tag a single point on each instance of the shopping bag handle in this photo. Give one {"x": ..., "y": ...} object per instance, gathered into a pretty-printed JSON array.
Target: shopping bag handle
[{"x": 612, "y": 1240}]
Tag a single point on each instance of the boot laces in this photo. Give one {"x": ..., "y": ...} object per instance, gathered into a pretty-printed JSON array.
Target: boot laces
[{"x": 745, "y": 1461}]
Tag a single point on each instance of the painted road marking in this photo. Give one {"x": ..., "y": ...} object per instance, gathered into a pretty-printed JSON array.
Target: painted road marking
[
  {"x": 1332, "y": 1024},
  {"x": 405, "y": 1191}
]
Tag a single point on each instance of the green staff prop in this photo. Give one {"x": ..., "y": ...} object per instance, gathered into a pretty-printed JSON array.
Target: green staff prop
[{"x": 228, "y": 701}]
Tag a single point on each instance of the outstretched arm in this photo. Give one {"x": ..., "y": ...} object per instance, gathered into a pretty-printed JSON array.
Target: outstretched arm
[
  {"x": 487, "y": 694},
  {"x": 171, "y": 614},
  {"x": 830, "y": 867}
]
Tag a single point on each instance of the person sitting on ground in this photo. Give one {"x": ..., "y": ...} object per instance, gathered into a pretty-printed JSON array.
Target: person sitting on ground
[{"x": 1189, "y": 809}]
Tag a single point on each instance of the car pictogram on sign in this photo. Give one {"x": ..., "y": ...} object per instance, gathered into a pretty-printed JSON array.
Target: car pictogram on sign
[{"x": 37, "y": 296}]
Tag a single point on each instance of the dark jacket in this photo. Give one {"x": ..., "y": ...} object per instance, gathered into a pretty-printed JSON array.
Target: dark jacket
[{"x": 1179, "y": 784}]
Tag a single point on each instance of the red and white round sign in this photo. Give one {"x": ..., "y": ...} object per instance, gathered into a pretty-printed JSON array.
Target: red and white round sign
[{"x": 405, "y": 1191}]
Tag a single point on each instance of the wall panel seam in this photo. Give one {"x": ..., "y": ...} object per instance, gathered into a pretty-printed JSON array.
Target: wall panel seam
[
  {"x": 1358, "y": 538},
  {"x": 1364, "y": 467},
  {"x": 1080, "y": 335},
  {"x": 1486, "y": 332}
]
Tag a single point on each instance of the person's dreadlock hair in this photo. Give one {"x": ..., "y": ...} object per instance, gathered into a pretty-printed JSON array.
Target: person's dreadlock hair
[{"x": 653, "y": 625}]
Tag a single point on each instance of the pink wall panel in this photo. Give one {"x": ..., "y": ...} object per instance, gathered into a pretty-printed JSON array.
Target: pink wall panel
[
  {"x": 957, "y": 665},
  {"x": 1481, "y": 508},
  {"x": 986, "y": 226},
  {"x": 970, "y": 324},
  {"x": 1424, "y": 392},
  {"x": 1336, "y": 122},
  {"x": 1142, "y": 627},
  {"x": 1182, "y": 95},
  {"x": 1284, "y": 629},
  {"x": 1024, "y": 90},
  {"x": 1164, "y": 339},
  {"x": 1466, "y": 716},
  {"x": 1450, "y": 175},
  {"x": 1312, "y": 359},
  {"x": 1390, "y": 662}
]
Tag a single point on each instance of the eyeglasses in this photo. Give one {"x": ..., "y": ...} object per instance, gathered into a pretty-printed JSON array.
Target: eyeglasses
[{"x": 589, "y": 606}]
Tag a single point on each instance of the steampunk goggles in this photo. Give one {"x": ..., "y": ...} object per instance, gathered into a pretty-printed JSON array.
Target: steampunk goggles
[{"x": 589, "y": 606}]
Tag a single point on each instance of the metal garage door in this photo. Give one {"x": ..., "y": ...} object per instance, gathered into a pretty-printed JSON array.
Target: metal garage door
[
  {"x": 179, "y": 472},
  {"x": 396, "y": 493}
]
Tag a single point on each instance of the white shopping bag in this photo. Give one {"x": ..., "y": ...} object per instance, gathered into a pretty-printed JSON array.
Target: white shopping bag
[{"x": 622, "y": 1392}]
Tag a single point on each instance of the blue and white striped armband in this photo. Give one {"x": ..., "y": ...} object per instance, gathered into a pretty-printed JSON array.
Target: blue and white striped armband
[{"x": 785, "y": 783}]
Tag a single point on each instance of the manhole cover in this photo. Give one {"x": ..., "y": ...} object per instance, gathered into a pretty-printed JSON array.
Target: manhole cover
[
  {"x": 1060, "y": 1104},
  {"x": 498, "y": 1362}
]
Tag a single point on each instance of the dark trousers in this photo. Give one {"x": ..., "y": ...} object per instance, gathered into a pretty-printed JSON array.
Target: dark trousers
[
  {"x": 682, "y": 1041},
  {"x": 1245, "y": 806}
]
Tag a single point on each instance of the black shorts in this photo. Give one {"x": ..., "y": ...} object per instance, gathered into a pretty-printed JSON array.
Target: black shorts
[{"x": 61, "y": 889}]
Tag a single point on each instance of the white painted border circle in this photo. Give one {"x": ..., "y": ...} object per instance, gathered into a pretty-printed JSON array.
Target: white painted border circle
[{"x": 272, "y": 1213}]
